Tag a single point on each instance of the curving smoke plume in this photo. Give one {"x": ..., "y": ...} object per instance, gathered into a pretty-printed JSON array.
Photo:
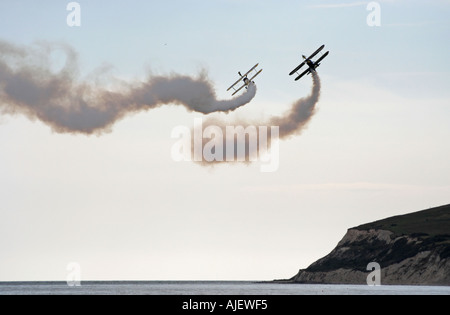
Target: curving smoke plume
[
  {"x": 247, "y": 140},
  {"x": 29, "y": 86},
  {"x": 301, "y": 112}
]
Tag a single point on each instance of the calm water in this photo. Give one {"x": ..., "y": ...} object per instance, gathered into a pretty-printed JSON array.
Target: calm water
[{"x": 209, "y": 288}]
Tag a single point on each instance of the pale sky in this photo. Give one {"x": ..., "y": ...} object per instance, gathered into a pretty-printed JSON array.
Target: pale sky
[{"x": 121, "y": 207}]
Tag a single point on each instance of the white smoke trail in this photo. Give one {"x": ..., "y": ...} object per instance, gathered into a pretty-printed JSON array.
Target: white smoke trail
[
  {"x": 301, "y": 112},
  {"x": 292, "y": 123},
  {"x": 28, "y": 86}
]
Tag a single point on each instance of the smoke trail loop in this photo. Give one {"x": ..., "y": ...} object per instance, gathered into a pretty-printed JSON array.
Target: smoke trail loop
[{"x": 293, "y": 122}]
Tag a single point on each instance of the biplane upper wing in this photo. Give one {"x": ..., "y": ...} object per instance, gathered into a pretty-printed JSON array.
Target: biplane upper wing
[
  {"x": 243, "y": 76},
  {"x": 316, "y": 52},
  {"x": 256, "y": 75},
  {"x": 309, "y": 58},
  {"x": 298, "y": 68},
  {"x": 235, "y": 83},
  {"x": 321, "y": 58},
  {"x": 249, "y": 80}
]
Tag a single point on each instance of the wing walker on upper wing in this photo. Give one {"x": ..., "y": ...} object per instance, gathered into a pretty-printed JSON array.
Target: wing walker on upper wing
[
  {"x": 246, "y": 80},
  {"x": 312, "y": 65}
]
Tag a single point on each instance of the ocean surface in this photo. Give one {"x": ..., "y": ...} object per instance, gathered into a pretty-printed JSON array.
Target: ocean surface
[{"x": 208, "y": 288}]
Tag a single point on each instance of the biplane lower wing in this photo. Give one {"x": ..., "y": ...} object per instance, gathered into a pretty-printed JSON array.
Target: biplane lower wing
[
  {"x": 246, "y": 80},
  {"x": 310, "y": 63},
  {"x": 301, "y": 75},
  {"x": 321, "y": 58},
  {"x": 238, "y": 90},
  {"x": 250, "y": 81},
  {"x": 309, "y": 58},
  {"x": 256, "y": 75},
  {"x": 298, "y": 68},
  {"x": 243, "y": 76},
  {"x": 235, "y": 83}
]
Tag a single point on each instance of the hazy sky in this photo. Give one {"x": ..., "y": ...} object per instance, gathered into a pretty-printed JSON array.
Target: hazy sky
[{"x": 121, "y": 207}]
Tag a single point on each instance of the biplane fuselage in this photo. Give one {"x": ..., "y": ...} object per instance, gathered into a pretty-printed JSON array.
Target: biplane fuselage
[
  {"x": 311, "y": 64},
  {"x": 245, "y": 79}
]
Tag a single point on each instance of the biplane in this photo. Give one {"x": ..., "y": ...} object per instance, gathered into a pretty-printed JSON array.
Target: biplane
[
  {"x": 245, "y": 78},
  {"x": 312, "y": 65}
]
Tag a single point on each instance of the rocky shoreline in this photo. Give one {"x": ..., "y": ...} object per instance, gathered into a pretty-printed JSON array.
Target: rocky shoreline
[{"x": 412, "y": 249}]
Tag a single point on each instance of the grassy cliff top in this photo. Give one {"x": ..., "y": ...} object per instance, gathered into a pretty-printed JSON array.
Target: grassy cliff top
[{"x": 431, "y": 222}]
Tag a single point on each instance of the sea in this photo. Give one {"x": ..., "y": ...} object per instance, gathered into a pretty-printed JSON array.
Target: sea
[{"x": 195, "y": 288}]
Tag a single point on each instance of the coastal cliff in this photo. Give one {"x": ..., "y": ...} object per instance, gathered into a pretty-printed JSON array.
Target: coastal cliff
[{"x": 412, "y": 249}]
